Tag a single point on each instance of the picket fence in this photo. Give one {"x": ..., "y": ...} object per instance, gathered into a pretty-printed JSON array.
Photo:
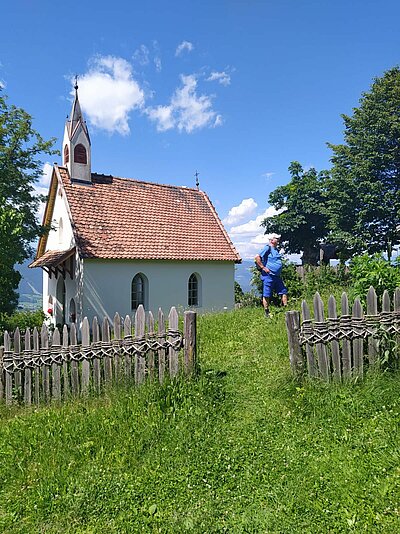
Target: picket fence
[
  {"x": 342, "y": 347},
  {"x": 40, "y": 367}
]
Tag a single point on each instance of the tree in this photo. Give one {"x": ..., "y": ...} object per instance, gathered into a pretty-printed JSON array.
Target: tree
[
  {"x": 20, "y": 146},
  {"x": 302, "y": 221},
  {"x": 363, "y": 190}
]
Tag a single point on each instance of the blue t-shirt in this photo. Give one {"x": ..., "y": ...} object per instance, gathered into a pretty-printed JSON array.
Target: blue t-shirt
[{"x": 273, "y": 260}]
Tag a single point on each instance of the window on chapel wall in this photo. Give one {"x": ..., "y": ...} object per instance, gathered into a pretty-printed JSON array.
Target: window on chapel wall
[
  {"x": 80, "y": 155},
  {"x": 193, "y": 290},
  {"x": 66, "y": 154},
  {"x": 138, "y": 291}
]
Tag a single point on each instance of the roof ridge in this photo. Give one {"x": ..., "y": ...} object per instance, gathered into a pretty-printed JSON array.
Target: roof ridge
[{"x": 184, "y": 187}]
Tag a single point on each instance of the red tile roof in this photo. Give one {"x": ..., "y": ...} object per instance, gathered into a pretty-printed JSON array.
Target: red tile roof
[
  {"x": 52, "y": 258},
  {"x": 122, "y": 218}
]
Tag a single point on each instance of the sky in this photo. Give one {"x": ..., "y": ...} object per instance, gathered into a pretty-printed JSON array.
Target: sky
[{"x": 233, "y": 89}]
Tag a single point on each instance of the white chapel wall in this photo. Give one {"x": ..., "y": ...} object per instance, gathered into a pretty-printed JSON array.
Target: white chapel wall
[
  {"x": 107, "y": 285},
  {"x": 61, "y": 239},
  {"x": 67, "y": 238}
]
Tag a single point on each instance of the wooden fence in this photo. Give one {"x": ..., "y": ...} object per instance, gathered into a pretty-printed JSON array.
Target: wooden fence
[
  {"x": 341, "y": 347},
  {"x": 48, "y": 366}
]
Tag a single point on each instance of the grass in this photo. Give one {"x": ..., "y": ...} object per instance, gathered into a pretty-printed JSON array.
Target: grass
[{"x": 243, "y": 449}]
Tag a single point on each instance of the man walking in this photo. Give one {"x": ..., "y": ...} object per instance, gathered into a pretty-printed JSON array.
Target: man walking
[{"x": 269, "y": 263}]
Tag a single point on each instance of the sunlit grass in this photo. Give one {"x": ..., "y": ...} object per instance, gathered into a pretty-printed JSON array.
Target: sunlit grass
[{"x": 244, "y": 448}]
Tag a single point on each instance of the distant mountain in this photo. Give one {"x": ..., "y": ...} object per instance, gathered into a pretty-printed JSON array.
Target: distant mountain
[
  {"x": 30, "y": 287},
  {"x": 243, "y": 274}
]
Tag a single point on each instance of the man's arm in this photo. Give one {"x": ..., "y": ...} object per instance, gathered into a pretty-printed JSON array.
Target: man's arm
[{"x": 260, "y": 265}]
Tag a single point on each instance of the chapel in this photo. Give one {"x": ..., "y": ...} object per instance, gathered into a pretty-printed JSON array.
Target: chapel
[{"x": 115, "y": 243}]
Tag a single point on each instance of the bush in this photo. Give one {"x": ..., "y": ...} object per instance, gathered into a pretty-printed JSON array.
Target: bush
[
  {"x": 238, "y": 292},
  {"x": 324, "y": 279},
  {"x": 376, "y": 271},
  {"x": 250, "y": 300},
  {"x": 292, "y": 280},
  {"x": 22, "y": 320}
]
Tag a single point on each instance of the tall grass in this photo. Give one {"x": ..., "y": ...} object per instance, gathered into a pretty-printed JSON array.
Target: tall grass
[{"x": 243, "y": 448}]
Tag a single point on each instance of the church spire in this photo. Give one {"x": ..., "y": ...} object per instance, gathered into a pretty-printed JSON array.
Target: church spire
[{"x": 76, "y": 144}]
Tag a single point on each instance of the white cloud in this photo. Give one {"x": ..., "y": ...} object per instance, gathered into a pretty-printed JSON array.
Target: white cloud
[
  {"x": 185, "y": 45},
  {"x": 42, "y": 188},
  {"x": 268, "y": 175},
  {"x": 221, "y": 77},
  {"x": 157, "y": 63},
  {"x": 249, "y": 238},
  {"x": 219, "y": 121},
  {"x": 163, "y": 115},
  {"x": 238, "y": 213},
  {"x": 187, "y": 110},
  {"x": 254, "y": 226},
  {"x": 108, "y": 93},
  {"x": 141, "y": 55}
]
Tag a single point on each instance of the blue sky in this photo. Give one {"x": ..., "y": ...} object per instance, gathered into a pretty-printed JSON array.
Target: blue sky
[{"x": 233, "y": 89}]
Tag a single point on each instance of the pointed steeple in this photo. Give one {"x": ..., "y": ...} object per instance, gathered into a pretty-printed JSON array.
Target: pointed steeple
[
  {"x": 76, "y": 144},
  {"x": 76, "y": 114}
]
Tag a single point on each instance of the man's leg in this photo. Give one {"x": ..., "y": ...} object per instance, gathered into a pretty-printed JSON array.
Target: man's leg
[
  {"x": 281, "y": 289},
  {"x": 265, "y": 301},
  {"x": 267, "y": 293}
]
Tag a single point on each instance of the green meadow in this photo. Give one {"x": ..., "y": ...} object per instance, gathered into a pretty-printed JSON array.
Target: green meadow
[{"x": 241, "y": 449}]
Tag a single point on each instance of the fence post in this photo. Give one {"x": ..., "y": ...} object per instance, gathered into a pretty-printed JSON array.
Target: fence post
[
  {"x": 172, "y": 331},
  {"x": 140, "y": 328},
  {"x": 161, "y": 340},
  {"x": 190, "y": 335},
  {"x": 372, "y": 312},
  {"x": 295, "y": 352},
  {"x": 85, "y": 362},
  {"x": 8, "y": 366},
  {"x": 323, "y": 361},
  {"x": 55, "y": 366},
  {"x": 1, "y": 373},
  {"x": 345, "y": 325},
  {"x": 332, "y": 317},
  {"x": 96, "y": 360},
  {"x": 358, "y": 341},
  {"x": 28, "y": 371},
  {"x": 44, "y": 338},
  {"x": 311, "y": 365}
]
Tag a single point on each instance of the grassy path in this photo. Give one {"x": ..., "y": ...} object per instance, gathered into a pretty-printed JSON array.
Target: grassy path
[{"x": 243, "y": 449}]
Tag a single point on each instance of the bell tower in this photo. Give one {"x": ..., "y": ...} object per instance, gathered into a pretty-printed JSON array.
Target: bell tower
[{"x": 76, "y": 144}]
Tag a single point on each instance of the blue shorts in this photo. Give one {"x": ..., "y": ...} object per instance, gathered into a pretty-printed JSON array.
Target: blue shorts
[{"x": 273, "y": 283}]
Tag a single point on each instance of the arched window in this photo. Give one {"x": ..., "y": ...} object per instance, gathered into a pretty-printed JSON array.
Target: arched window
[
  {"x": 138, "y": 294},
  {"x": 193, "y": 290},
  {"x": 72, "y": 311},
  {"x": 60, "y": 301},
  {"x": 66, "y": 154},
  {"x": 80, "y": 154}
]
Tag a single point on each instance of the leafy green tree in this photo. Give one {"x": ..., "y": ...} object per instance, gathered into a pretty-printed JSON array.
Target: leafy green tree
[
  {"x": 364, "y": 187},
  {"x": 301, "y": 221},
  {"x": 20, "y": 168}
]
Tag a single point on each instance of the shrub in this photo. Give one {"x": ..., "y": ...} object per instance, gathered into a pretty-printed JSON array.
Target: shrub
[
  {"x": 22, "y": 320},
  {"x": 238, "y": 292},
  {"x": 376, "y": 271},
  {"x": 324, "y": 278},
  {"x": 250, "y": 299}
]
